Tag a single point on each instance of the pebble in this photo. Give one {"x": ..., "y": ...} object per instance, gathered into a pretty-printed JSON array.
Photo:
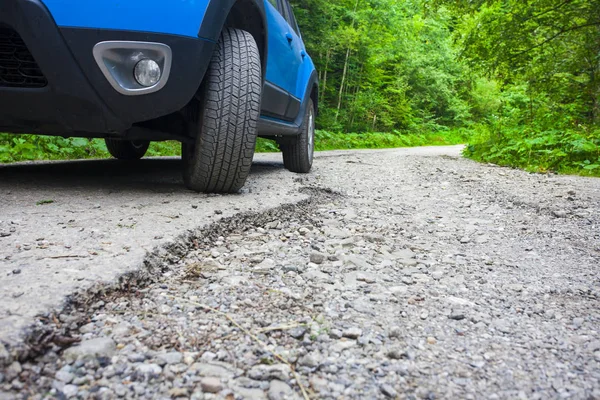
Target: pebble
[
  {"x": 149, "y": 369},
  {"x": 335, "y": 334},
  {"x": 437, "y": 275},
  {"x": 98, "y": 347},
  {"x": 352, "y": 333},
  {"x": 4, "y": 355},
  {"x": 212, "y": 370},
  {"x": 264, "y": 372},
  {"x": 457, "y": 315},
  {"x": 70, "y": 391},
  {"x": 317, "y": 257},
  {"x": 211, "y": 385},
  {"x": 13, "y": 370},
  {"x": 169, "y": 358},
  {"x": 310, "y": 360},
  {"x": 395, "y": 332},
  {"x": 398, "y": 354},
  {"x": 502, "y": 326},
  {"x": 279, "y": 390},
  {"x": 297, "y": 332},
  {"x": 560, "y": 213},
  {"x": 388, "y": 391},
  {"x": 64, "y": 376}
]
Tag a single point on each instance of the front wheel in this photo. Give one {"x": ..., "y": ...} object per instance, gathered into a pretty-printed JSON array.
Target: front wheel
[
  {"x": 298, "y": 153},
  {"x": 220, "y": 159},
  {"x": 127, "y": 149}
]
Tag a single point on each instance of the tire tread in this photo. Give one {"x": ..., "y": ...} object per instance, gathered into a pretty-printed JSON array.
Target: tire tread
[{"x": 228, "y": 118}]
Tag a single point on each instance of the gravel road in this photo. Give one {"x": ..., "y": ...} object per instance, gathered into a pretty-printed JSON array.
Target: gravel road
[
  {"x": 68, "y": 227},
  {"x": 409, "y": 274}
]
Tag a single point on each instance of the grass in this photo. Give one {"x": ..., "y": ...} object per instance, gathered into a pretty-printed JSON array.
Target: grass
[
  {"x": 568, "y": 151},
  {"x": 15, "y": 148},
  {"x": 334, "y": 141}
]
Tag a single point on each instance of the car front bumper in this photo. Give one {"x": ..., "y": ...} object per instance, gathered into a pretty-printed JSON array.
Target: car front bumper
[{"x": 69, "y": 94}]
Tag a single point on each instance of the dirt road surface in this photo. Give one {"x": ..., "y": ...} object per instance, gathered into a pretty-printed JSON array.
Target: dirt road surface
[
  {"x": 66, "y": 226},
  {"x": 408, "y": 273}
]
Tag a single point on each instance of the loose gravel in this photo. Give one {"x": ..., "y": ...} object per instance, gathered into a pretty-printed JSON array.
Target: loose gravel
[{"x": 402, "y": 277}]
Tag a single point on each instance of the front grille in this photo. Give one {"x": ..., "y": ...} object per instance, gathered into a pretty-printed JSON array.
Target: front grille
[{"x": 17, "y": 66}]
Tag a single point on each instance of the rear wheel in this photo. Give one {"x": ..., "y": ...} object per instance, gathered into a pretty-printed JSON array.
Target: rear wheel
[
  {"x": 298, "y": 153},
  {"x": 127, "y": 149},
  {"x": 225, "y": 131}
]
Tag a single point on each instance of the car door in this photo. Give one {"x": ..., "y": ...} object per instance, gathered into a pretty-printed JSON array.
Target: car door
[{"x": 280, "y": 99}]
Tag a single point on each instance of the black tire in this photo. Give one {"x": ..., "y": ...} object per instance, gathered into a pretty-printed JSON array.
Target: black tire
[
  {"x": 127, "y": 149},
  {"x": 221, "y": 158},
  {"x": 298, "y": 153}
]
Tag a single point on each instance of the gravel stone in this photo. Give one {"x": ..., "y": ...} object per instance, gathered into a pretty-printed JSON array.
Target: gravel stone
[
  {"x": 298, "y": 332},
  {"x": 317, "y": 258},
  {"x": 70, "y": 391},
  {"x": 311, "y": 360},
  {"x": 352, "y": 333},
  {"x": 149, "y": 369},
  {"x": 64, "y": 376},
  {"x": 265, "y": 373},
  {"x": 4, "y": 355},
  {"x": 210, "y": 370},
  {"x": 388, "y": 391},
  {"x": 169, "y": 358},
  {"x": 282, "y": 391},
  {"x": 398, "y": 354},
  {"x": 211, "y": 385},
  {"x": 99, "y": 347},
  {"x": 457, "y": 315},
  {"x": 335, "y": 334},
  {"x": 13, "y": 370}
]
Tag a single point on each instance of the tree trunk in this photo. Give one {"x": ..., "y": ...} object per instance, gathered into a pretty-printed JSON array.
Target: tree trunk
[
  {"x": 339, "y": 107},
  {"x": 322, "y": 94},
  {"x": 355, "y": 95}
]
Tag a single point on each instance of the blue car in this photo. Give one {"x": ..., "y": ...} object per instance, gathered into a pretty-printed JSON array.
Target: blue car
[{"x": 212, "y": 74}]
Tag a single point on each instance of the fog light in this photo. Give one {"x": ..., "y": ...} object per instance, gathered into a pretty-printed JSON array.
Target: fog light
[{"x": 147, "y": 72}]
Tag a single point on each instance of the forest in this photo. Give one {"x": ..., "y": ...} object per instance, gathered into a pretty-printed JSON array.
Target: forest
[{"x": 517, "y": 81}]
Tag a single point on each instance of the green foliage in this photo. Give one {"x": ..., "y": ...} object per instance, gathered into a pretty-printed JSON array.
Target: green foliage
[
  {"x": 32, "y": 147},
  {"x": 266, "y": 146},
  {"x": 384, "y": 65},
  {"x": 326, "y": 140},
  {"x": 544, "y": 58},
  {"x": 566, "y": 151}
]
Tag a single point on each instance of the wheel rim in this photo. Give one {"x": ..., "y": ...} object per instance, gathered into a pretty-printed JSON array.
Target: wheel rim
[{"x": 311, "y": 136}]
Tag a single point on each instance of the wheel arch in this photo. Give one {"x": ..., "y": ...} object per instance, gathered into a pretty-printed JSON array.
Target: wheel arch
[
  {"x": 314, "y": 95},
  {"x": 248, "y": 15}
]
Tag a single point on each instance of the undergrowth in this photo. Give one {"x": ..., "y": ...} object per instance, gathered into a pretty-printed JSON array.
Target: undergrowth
[
  {"x": 571, "y": 151},
  {"x": 15, "y": 148}
]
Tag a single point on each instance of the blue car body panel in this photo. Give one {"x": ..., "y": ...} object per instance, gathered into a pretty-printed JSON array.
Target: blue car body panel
[
  {"x": 284, "y": 63},
  {"x": 176, "y": 17},
  {"x": 304, "y": 74}
]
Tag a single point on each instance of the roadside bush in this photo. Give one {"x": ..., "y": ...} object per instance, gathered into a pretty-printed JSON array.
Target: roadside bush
[{"x": 557, "y": 150}]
